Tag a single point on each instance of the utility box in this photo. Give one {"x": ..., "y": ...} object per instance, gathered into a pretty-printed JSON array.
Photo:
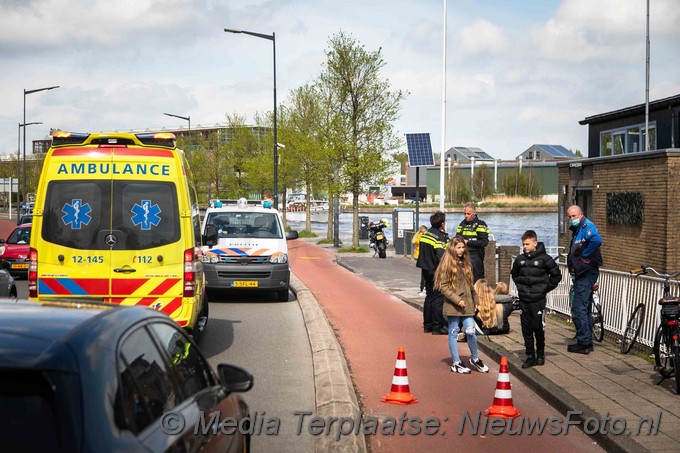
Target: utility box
[
  {"x": 402, "y": 220},
  {"x": 363, "y": 227}
]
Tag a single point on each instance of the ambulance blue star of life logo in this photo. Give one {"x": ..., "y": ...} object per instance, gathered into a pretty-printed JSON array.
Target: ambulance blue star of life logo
[
  {"x": 146, "y": 214},
  {"x": 76, "y": 214}
]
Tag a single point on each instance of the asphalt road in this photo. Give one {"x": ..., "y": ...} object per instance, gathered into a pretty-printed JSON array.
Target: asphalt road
[{"x": 269, "y": 340}]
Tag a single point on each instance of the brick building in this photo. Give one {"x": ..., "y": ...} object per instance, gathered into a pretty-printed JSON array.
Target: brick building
[{"x": 629, "y": 193}]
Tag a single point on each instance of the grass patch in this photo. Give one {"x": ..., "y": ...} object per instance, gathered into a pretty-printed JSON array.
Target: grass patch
[
  {"x": 360, "y": 249},
  {"x": 327, "y": 241},
  {"x": 307, "y": 234}
]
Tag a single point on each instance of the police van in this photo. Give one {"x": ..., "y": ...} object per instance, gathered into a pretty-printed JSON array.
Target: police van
[
  {"x": 116, "y": 221},
  {"x": 246, "y": 248}
]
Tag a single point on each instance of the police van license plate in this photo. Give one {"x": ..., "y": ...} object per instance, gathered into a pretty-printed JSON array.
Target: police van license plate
[
  {"x": 19, "y": 266},
  {"x": 244, "y": 284}
]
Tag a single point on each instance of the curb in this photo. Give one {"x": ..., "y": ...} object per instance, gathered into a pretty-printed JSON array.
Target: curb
[{"x": 333, "y": 387}]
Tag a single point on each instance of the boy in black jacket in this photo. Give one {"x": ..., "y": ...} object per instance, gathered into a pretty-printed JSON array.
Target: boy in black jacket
[{"x": 535, "y": 274}]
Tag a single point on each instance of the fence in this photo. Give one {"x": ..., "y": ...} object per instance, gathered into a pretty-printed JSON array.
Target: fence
[{"x": 620, "y": 293}]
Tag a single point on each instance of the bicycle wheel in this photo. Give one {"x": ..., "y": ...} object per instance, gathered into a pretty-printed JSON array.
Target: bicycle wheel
[
  {"x": 598, "y": 323},
  {"x": 632, "y": 329},
  {"x": 676, "y": 367},
  {"x": 660, "y": 358}
]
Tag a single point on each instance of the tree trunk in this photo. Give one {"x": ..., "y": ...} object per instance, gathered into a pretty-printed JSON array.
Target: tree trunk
[{"x": 355, "y": 219}]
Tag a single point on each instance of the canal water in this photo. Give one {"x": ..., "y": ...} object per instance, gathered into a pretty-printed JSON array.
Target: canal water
[{"x": 506, "y": 228}]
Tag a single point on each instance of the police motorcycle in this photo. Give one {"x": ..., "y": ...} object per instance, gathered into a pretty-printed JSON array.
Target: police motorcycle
[{"x": 376, "y": 237}]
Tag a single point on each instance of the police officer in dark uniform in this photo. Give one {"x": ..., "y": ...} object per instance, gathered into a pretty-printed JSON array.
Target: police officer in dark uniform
[
  {"x": 476, "y": 235},
  {"x": 432, "y": 246}
]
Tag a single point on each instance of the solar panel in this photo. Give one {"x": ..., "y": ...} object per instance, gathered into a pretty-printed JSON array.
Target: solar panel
[{"x": 419, "y": 150}]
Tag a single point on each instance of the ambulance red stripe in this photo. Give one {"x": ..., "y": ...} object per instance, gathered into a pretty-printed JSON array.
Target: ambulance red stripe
[{"x": 164, "y": 286}]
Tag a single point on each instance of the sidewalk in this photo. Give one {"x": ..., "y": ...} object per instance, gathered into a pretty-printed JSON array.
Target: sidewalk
[{"x": 604, "y": 385}]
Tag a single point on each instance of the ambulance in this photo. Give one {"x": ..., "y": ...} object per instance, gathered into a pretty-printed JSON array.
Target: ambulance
[
  {"x": 246, "y": 248},
  {"x": 116, "y": 221}
]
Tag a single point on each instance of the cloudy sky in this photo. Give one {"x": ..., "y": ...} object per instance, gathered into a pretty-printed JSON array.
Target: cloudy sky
[{"x": 518, "y": 72}]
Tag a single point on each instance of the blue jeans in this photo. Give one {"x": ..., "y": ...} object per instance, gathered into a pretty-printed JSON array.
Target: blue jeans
[
  {"x": 454, "y": 328},
  {"x": 581, "y": 308}
]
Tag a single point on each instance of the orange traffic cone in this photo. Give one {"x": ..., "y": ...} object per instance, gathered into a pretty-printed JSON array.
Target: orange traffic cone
[
  {"x": 400, "y": 393},
  {"x": 502, "y": 400}
]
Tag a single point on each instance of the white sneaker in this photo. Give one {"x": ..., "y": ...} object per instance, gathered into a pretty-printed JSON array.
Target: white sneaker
[
  {"x": 479, "y": 365},
  {"x": 458, "y": 367},
  {"x": 422, "y": 293}
]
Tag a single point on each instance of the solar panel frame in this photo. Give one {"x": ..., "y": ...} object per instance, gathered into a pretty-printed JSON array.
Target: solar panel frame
[{"x": 419, "y": 150}]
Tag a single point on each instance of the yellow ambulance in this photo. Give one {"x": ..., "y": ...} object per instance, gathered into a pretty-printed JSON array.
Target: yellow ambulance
[{"x": 116, "y": 221}]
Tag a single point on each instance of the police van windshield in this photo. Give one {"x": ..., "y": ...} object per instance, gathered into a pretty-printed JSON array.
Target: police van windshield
[
  {"x": 104, "y": 214},
  {"x": 245, "y": 224}
]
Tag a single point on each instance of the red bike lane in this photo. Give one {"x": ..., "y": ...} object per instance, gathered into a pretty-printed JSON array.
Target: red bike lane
[{"x": 371, "y": 325}]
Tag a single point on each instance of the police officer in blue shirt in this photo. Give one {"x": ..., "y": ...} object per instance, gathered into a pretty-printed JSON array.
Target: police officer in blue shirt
[{"x": 584, "y": 261}]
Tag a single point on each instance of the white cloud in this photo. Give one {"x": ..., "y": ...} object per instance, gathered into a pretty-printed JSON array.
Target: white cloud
[
  {"x": 584, "y": 30},
  {"x": 482, "y": 36}
]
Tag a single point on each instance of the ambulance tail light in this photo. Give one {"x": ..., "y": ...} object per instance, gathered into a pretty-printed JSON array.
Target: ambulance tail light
[
  {"x": 189, "y": 273},
  {"x": 33, "y": 273}
]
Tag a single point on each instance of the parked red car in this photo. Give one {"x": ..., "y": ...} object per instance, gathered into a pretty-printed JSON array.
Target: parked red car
[{"x": 15, "y": 250}]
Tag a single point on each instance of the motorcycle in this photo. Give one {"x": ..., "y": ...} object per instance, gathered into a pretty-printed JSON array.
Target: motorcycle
[{"x": 377, "y": 239}]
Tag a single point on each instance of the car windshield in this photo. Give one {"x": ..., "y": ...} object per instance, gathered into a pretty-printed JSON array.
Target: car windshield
[
  {"x": 20, "y": 236},
  {"x": 245, "y": 224}
]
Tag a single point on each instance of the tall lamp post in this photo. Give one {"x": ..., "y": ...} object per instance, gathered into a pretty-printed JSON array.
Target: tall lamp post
[
  {"x": 19, "y": 160},
  {"x": 185, "y": 118},
  {"x": 271, "y": 38},
  {"x": 27, "y": 92}
]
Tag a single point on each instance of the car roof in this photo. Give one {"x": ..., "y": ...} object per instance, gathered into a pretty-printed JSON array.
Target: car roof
[
  {"x": 49, "y": 336},
  {"x": 259, "y": 209}
]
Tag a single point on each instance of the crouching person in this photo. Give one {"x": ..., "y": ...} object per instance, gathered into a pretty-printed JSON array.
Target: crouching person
[{"x": 535, "y": 274}]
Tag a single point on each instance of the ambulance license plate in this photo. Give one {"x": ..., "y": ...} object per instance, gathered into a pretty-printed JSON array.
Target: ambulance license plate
[
  {"x": 19, "y": 266},
  {"x": 244, "y": 284}
]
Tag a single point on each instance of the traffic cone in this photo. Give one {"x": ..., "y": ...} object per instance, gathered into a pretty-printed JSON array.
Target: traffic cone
[
  {"x": 502, "y": 400},
  {"x": 400, "y": 393}
]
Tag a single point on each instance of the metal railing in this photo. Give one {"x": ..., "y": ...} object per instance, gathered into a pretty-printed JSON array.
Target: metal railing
[{"x": 620, "y": 292}]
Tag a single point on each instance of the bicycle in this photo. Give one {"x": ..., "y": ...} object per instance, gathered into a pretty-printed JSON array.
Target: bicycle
[{"x": 667, "y": 336}]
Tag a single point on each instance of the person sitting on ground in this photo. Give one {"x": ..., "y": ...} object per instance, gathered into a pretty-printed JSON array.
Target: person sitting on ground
[
  {"x": 486, "y": 314},
  {"x": 504, "y": 307}
]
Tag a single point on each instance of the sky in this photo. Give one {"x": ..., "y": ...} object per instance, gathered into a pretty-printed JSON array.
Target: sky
[{"x": 518, "y": 72}]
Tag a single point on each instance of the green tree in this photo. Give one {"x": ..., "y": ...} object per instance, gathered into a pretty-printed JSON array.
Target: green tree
[
  {"x": 364, "y": 110},
  {"x": 402, "y": 159},
  {"x": 578, "y": 153},
  {"x": 522, "y": 184},
  {"x": 305, "y": 152},
  {"x": 458, "y": 187},
  {"x": 482, "y": 182}
]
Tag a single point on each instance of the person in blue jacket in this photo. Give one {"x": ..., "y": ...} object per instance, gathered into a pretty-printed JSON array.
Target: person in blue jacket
[{"x": 584, "y": 261}]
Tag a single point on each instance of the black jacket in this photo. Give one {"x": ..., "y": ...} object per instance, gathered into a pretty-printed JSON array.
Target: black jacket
[
  {"x": 535, "y": 274},
  {"x": 432, "y": 245},
  {"x": 476, "y": 232}
]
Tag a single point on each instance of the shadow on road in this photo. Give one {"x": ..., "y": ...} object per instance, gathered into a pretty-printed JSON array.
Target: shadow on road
[{"x": 217, "y": 337}]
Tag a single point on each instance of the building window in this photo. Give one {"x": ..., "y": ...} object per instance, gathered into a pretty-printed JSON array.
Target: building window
[
  {"x": 531, "y": 155},
  {"x": 538, "y": 154},
  {"x": 626, "y": 140}
]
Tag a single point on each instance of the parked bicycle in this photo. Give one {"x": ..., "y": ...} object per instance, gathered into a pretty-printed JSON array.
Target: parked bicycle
[{"x": 667, "y": 338}]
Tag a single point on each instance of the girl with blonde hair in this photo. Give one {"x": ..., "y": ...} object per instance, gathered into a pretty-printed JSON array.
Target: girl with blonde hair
[
  {"x": 453, "y": 279},
  {"x": 487, "y": 305}
]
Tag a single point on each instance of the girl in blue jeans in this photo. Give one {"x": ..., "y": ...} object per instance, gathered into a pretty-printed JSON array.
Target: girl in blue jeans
[{"x": 454, "y": 280}]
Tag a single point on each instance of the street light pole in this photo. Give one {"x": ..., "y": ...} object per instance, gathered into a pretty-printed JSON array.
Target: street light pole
[
  {"x": 27, "y": 92},
  {"x": 185, "y": 118},
  {"x": 19, "y": 162},
  {"x": 271, "y": 38}
]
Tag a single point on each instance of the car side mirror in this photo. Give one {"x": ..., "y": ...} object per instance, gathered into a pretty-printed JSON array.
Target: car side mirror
[
  {"x": 210, "y": 236},
  {"x": 234, "y": 379},
  {"x": 292, "y": 234}
]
